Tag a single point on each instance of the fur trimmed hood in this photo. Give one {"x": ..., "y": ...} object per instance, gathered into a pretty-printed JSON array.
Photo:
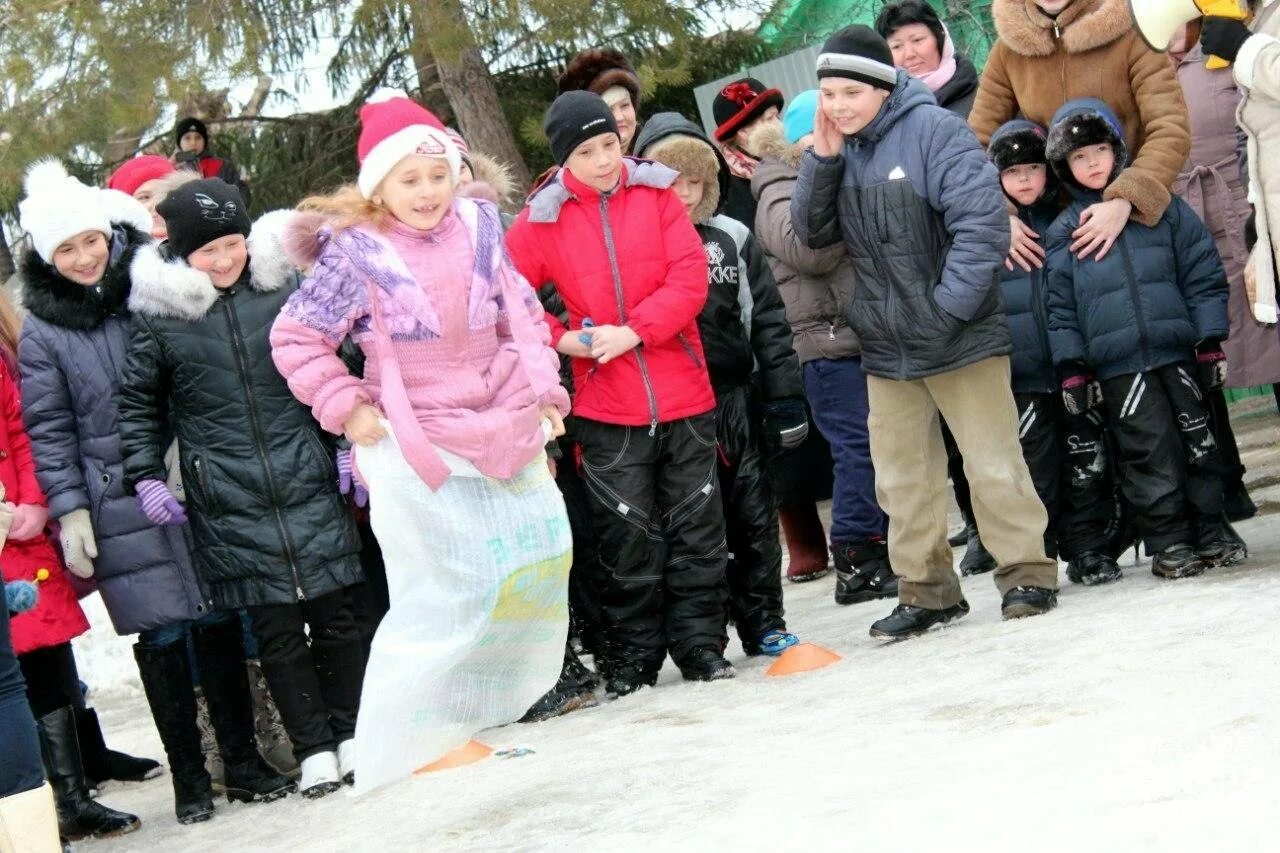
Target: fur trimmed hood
[
  {"x": 493, "y": 180},
  {"x": 675, "y": 142},
  {"x": 770, "y": 140},
  {"x": 1085, "y": 25},
  {"x": 52, "y": 297},
  {"x": 169, "y": 287}
]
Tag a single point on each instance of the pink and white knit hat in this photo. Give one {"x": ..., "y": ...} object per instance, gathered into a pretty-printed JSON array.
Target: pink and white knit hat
[{"x": 391, "y": 128}]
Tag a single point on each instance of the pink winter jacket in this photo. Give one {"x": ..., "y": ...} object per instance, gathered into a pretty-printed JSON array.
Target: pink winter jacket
[{"x": 457, "y": 351}]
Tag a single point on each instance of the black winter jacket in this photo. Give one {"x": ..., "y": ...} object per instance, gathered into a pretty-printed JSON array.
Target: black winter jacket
[
  {"x": 958, "y": 94},
  {"x": 1026, "y": 304},
  {"x": 925, "y": 223},
  {"x": 270, "y": 526}
]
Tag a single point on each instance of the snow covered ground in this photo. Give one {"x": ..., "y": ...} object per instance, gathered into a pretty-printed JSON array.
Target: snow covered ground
[{"x": 1139, "y": 716}]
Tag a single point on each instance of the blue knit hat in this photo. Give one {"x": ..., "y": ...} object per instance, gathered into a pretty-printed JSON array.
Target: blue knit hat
[{"x": 798, "y": 119}]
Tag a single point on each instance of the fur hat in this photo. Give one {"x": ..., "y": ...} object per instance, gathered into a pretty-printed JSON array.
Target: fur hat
[
  {"x": 739, "y": 103},
  {"x": 391, "y": 128},
  {"x": 1017, "y": 143},
  {"x": 599, "y": 70},
  {"x": 692, "y": 157},
  {"x": 1084, "y": 121},
  {"x": 57, "y": 207}
]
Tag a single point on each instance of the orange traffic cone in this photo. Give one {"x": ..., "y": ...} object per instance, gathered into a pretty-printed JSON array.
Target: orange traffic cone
[
  {"x": 802, "y": 657},
  {"x": 469, "y": 753}
]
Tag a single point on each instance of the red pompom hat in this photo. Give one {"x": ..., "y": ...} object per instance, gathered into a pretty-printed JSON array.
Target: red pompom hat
[{"x": 391, "y": 128}]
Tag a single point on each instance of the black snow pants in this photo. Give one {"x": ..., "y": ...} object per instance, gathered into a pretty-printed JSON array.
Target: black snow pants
[
  {"x": 1070, "y": 467},
  {"x": 750, "y": 519},
  {"x": 1170, "y": 467},
  {"x": 659, "y": 527}
]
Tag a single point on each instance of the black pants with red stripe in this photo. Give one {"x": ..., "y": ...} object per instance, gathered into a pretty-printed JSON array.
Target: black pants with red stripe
[
  {"x": 1170, "y": 466},
  {"x": 1071, "y": 469}
]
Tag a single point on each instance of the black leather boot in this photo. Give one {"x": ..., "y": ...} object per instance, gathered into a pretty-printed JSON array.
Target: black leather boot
[
  {"x": 166, "y": 679},
  {"x": 79, "y": 816},
  {"x": 907, "y": 620},
  {"x": 976, "y": 560},
  {"x": 220, "y": 659},
  {"x": 863, "y": 572},
  {"x": 100, "y": 763}
]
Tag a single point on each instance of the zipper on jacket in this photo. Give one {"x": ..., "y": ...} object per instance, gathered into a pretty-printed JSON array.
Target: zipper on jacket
[
  {"x": 1135, "y": 295},
  {"x": 622, "y": 312},
  {"x": 688, "y": 349},
  {"x": 1041, "y": 314},
  {"x": 259, "y": 442}
]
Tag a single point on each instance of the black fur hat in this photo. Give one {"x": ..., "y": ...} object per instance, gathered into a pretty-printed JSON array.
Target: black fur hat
[
  {"x": 599, "y": 70},
  {"x": 1085, "y": 121},
  {"x": 1017, "y": 143}
]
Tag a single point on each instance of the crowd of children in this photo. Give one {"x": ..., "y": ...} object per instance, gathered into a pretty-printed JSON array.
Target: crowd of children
[{"x": 610, "y": 380}]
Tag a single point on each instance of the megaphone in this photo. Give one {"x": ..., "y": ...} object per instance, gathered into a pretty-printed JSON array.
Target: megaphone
[{"x": 1159, "y": 20}]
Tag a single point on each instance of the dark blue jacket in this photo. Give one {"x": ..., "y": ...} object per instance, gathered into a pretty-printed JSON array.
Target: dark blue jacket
[
  {"x": 924, "y": 221},
  {"x": 1156, "y": 294},
  {"x": 1026, "y": 304}
]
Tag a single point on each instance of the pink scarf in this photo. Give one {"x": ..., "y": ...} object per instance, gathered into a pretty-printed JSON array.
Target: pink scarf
[
  {"x": 941, "y": 76},
  {"x": 740, "y": 164}
]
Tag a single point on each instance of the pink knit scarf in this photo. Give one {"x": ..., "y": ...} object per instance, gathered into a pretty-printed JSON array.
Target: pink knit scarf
[
  {"x": 740, "y": 164},
  {"x": 941, "y": 76}
]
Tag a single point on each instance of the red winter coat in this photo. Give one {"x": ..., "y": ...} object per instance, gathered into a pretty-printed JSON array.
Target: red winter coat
[
  {"x": 57, "y": 616},
  {"x": 644, "y": 268}
]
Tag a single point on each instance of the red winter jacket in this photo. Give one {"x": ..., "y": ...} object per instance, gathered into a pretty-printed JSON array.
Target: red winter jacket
[
  {"x": 630, "y": 257},
  {"x": 57, "y": 616}
]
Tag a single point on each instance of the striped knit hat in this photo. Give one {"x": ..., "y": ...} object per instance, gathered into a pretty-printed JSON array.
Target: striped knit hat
[{"x": 859, "y": 53}]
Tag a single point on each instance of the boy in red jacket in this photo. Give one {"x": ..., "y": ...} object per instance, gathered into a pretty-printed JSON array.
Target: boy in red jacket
[{"x": 612, "y": 236}]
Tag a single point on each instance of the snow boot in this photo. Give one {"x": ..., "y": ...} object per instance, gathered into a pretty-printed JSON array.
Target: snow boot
[
  {"x": 627, "y": 676},
  {"x": 976, "y": 560},
  {"x": 29, "y": 822},
  {"x": 272, "y": 739},
  {"x": 220, "y": 658},
  {"x": 806, "y": 543},
  {"x": 705, "y": 664},
  {"x": 320, "y": 775},
  {"x": 573, "y": 690},
  {"x": 863, "y": 572},
  {"x": 78, "y": 815},
  {"x": 1023, "y": 601},
  {"x": 1177, "y": 561},
  {"x": 102, "y": 764},
  {"x": 774, "y": 642},
  {"x": 1092, "y": 568},
  {"x": 909, "y": 621},
  {"x": 166, "y": 680},
  {"x": 1221, "y": 546}
]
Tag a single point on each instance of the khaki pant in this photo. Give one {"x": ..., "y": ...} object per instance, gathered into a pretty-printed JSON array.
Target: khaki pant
[{"x": 911, "y": 480}]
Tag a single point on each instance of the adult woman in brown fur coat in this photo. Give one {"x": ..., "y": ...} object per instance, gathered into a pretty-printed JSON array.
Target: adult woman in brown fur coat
[{"x": 1052, "y": 51}]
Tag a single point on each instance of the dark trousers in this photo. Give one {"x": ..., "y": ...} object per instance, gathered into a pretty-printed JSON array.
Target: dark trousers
[
  {"x": 50, "y": 674},
  {"x": 1069, "y": 464},
  {"x": 955, "y": 471},
  {"x": 370, "y": 599},
  {"x": 837, "y": 393},
  {"x": 20, "y": 767},
  {"x": 1170, "y": 468},
  {"x": 316, "y": 685},
  {"x": 586, "y": 586},
  {"x": 750, "y": 519},
  {"x": 660, "y": 531}
]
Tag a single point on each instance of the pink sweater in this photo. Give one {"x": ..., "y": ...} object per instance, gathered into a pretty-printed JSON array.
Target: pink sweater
[{"x": 463, "y": 331}]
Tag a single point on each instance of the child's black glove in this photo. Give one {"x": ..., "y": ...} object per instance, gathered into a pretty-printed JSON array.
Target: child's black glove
[
  {"x": 1080, "y": 390},
  {"x": 1211, "y": 363},
  {"x": 1223, "y": 37},
  {"x": 788, "y": 419}
]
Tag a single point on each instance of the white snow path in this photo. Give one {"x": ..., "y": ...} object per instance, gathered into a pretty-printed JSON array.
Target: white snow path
[{"x": 1139, "y": 716}]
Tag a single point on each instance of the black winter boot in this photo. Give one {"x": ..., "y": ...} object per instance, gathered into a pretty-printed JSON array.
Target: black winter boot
[
  {"x": 706, "y": 664},
  {"x": 1177, "y": 561},
  {"x": 78, "y": 815},
  {"x": 863, "y": 572},
  {"x": 166, "y": 679},
  {"x": 1221, "y": 546},
  {"x": 220, "y": 658},
  {"x": 976, "y": 560},
  {"x": 626, "y": 671},
  {"x": 575, "y": 689},
  {"x": 1023, "y": 601},
  {"x": 100, "y": 763},
  {"x": 909, "y": 621},
  {"x": 1092, "y": 568}
]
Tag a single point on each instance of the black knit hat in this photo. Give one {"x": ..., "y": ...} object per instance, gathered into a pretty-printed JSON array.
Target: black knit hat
[
  {"x": 740, "y": 103},
  {"x": 858, "y": 53},
  {"x": 573, "y": 118},
  {"x": 188, "y": 124},
  {"x": 200, "y": 212},
  {"x": 897, "y": 15}
]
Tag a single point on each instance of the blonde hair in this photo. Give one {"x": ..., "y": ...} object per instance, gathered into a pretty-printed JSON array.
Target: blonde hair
[
  {"x": 348, "y": 206},
  {"x": 10, "y": 325}
]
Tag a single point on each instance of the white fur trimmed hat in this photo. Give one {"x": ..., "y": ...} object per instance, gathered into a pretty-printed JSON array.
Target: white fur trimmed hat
[
  {"x": 57, "y": 207},
  {"x": 391, "y": 128}
]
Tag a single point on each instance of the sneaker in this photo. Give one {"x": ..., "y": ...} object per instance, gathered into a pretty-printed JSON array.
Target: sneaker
[
  {"x": 626, "y": 677},
  {"x": 1222, "y": 548},
  {"x": 1023, "y": 601},
  {"x": 706, "y": 664},
  {"x": 976, "y": 560},
  {"x": 863, "y": 572},
  {"x": 1177, "y": 561},
  {"x": 347, "y": 761},
  {"x": 906, "y": 620},
  {"x": 1093, "y": 568},
  {"x": 320, "y": 775},
  {"x": 774, "y": 642}
]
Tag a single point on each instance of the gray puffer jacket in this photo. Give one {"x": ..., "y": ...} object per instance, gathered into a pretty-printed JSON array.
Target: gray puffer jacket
[
  {"x": 73, "y": 347},
  {"x": 816, "y": 284},
  {"x": 924, "y": 220}
]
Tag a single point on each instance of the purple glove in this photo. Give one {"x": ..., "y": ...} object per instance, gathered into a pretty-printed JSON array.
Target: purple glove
[
  {"x": 346, "y": 481},
  {"x": 158, "y": 503}
]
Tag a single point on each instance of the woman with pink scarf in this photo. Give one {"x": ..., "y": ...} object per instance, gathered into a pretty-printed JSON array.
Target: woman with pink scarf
[{"x": 922, "y": 47}]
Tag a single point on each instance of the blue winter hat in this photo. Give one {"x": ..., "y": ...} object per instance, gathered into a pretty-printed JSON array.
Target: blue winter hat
[{"x": 798, "y": 118}]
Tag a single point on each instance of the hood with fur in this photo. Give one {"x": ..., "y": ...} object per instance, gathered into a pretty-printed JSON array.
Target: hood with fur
[
  {"x": 1085, "y": 25},
  {"x": 493, "y": 180},
  {"x": 58, "y": 300},
  {"x": 169, "y": 287},
  {"x": 674, "y": 141}
]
